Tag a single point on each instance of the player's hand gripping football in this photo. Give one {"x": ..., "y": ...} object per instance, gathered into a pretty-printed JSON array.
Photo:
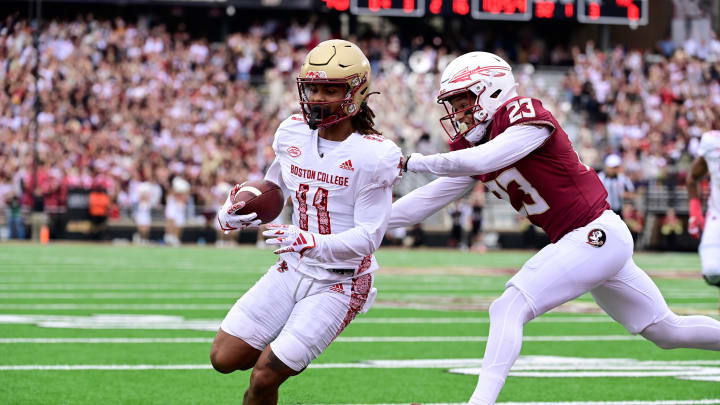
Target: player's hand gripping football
[
  {"x": 290, "y": 238},
  {"x": 696, "y": 222},
  {"x": 229, "y": 221}
]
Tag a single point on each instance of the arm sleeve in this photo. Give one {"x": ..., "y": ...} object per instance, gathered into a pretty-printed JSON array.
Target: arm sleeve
[
  {"x": 373, "y": 203},
  {"x": 507, "y": 148},
  {"x": 426, "y": 200},
  {"x": 372, "y": 210},
  {"x": 274, "y": 174}
]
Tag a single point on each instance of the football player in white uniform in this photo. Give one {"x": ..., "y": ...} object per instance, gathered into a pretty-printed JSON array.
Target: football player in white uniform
[
  {"x": 517, "y": 148},
  {"x": 339, "y": 172},
  {"x": 707, "y": 162}
]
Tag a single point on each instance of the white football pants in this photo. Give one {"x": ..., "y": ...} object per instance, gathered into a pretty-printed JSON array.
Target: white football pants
[
  {"x": 298, "y": 316},
  {"x": 568, "y": 269}
]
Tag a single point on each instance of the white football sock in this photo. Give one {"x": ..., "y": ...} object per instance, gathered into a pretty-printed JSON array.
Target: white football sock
[{"x": 508, "y": 315}]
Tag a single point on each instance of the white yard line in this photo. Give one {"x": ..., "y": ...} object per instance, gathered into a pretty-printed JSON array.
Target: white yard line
[
  {"x": 118, "y": 268},
  {"x": 130, "y": 286},
  {"x": 176, "y": 322},
  {"x": 376, "y": 339},
  {"x": 117, "y": 307},
  {"x": 385, "y": 364},
  {"x": 104, "y": 340},
  {"x": 604, "y": 374},
  {"x": 689, "y": 370},
  {"x": 526, "y": 366},
  {"x": 122, "y": 295},
  {"x": 697, "y": 306},
  {"x": 139, "y": 319},
  {"x": 664, "y": 402},
  {"x": 110, "y": 367},
  {"x": 549, "y": 319},
  {"x": 359, "y": 339},
  {"x": 707, "y": 378}
]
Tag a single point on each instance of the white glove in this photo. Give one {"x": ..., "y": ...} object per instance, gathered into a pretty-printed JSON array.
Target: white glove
[
  {"x": 290, "y": 238},
  {"x": 229, "y": 221}
]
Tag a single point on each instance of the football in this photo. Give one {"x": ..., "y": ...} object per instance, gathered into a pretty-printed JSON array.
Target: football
[{"x": 262, "y": 197}]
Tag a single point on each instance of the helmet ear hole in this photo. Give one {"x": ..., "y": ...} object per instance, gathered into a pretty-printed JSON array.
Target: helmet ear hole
[{"x": 496, "y": 94}]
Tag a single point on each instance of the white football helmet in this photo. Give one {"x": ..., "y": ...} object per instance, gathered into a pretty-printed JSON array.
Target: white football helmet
[{"x": 488, "y": 82}]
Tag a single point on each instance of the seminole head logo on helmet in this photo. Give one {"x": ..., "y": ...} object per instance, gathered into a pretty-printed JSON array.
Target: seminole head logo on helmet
[
  {"x": 333, "y": 62},
  {"x": 472, "y": 88}
]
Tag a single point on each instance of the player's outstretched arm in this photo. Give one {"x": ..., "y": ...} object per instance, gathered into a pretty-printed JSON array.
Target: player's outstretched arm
[
  {"x": 507, "y": 148},
  {"x": 696, "y": 222},
  {"x": 427, "y": 200},
  {"x": 274, "y": 174}
]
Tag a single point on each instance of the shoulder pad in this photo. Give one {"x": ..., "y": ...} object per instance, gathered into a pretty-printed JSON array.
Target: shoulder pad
[
  {"x": 293, "y": 120},
  {"x": 521, "y": 110},
  {"x": 374, "y": 137}
]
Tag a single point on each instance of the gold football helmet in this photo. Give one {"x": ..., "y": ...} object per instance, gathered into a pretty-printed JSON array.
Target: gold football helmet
[{"x": 334, "y": 62}]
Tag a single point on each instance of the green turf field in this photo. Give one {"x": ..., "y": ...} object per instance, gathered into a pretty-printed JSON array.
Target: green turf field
[{"x": 91, "y": 324}]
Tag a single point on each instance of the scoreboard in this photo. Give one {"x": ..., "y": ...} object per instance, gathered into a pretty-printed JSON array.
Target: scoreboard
[{"x": 620, "y": 12}]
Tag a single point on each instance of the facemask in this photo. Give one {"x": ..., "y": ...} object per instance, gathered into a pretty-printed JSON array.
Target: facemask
[{"x": 316, "y": 115}]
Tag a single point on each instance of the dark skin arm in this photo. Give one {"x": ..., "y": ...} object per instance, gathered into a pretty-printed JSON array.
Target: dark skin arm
[{"x": 697, "y": 171}]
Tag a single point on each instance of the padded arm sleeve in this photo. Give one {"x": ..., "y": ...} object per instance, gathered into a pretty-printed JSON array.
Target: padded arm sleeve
[
  {"x": 507, "y": 148},
  {"x": 426, "y": 200}
]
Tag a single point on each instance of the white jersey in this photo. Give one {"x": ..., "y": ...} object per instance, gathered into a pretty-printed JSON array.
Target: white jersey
[
  {"x": 710, "y": 150},
  {"x": 346, "y": 194}
]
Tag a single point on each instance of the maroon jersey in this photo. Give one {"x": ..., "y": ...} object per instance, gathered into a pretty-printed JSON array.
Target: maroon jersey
[{"x": 550, "y": 186}]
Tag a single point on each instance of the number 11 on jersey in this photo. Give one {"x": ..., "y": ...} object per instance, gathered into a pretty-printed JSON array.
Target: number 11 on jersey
[{"x": 320, "y": 202}]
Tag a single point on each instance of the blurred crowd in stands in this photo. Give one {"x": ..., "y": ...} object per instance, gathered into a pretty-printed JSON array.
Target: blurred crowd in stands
[
  {"x": 158, "y": 118},
  {"x": 650, "y": 108}
]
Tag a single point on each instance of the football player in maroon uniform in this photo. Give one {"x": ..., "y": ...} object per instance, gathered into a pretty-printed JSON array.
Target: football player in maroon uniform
[{"x": 517, "y": 148}]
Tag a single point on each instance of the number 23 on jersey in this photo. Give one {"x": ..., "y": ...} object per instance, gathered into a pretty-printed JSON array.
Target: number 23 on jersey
[
  {"x": 521, "y": 108},
  {"x": 525, "y": 198}
]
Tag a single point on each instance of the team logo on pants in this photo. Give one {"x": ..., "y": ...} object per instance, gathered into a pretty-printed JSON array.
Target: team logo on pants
[{"x": 596, "y": 238}]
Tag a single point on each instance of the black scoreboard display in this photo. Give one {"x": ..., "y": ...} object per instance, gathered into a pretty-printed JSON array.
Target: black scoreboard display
[
  {"x": 620, "y": 12},
  {"x": 511, "y": 10},
  {"x": 398, "y": 8}
]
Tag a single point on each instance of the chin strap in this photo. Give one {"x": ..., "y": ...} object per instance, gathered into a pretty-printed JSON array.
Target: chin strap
[
  {"x": 477, "y": 134},
  {"x": 472, "y": 138}
]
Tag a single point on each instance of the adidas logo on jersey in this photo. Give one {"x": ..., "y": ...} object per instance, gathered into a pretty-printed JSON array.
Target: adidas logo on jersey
[
  {"x": 337, "y": 288},
  {"x": 300, "y": 240},
  {"x": 347, "y": 165}
]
